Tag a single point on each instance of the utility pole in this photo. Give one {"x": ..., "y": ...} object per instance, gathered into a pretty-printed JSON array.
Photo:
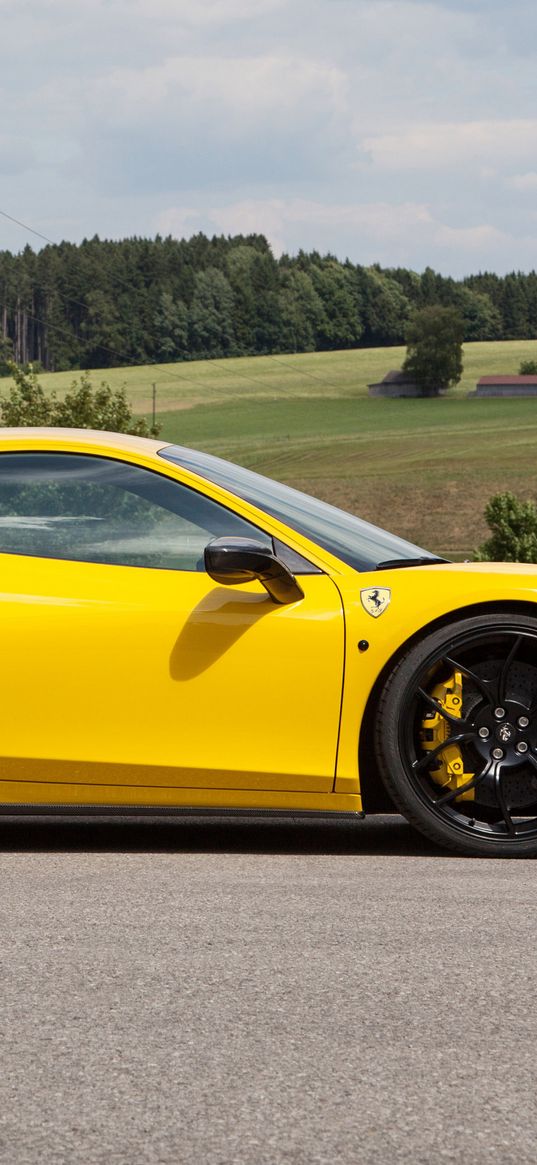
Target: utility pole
[{"x": 154, "y": 405}]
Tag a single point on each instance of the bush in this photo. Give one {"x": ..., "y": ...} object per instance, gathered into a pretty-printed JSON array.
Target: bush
[
  {"x": 84, "y": 406},
  {"x": 514, "y": 530},
  {"x": 528, "y": 368}
]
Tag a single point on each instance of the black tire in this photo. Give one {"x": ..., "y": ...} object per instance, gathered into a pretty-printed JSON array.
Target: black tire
[{"x": 496, "y": 655}]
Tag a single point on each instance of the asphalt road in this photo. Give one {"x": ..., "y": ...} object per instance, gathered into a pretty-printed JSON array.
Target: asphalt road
[{"x": 252, "y": 992}]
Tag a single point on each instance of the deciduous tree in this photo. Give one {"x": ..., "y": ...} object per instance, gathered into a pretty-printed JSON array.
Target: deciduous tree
[{"x": 434, "y": 349}]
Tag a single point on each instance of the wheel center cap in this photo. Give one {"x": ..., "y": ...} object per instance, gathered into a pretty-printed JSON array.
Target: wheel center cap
[{"x": 505, "y": 733}]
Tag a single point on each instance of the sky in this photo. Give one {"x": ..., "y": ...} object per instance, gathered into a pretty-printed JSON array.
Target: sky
[{"x": 402, "y": 132}]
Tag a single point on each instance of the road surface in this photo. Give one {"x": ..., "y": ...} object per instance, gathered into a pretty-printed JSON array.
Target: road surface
[{"x": 224, "y": 991}]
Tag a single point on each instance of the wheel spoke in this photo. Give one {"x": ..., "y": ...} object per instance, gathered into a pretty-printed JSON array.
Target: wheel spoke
[
  {"x": 502, "y": 682},
  {"x": 493, "y": 769},
  {"x": 455, "y": 721},
  {"x": 484, "y": 686},
  {"x": 454, "y": 793},
  {"x": 502, "y": 803},
  {"x": 495, "y": 800},
  {"x": 434, "y": 752}
]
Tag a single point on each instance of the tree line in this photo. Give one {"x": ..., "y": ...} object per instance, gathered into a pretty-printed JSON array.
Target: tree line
[{"x": 104, "y": 303}]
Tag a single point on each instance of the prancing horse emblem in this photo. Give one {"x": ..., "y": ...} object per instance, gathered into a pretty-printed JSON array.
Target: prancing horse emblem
[{"x": 375, "y": 600}]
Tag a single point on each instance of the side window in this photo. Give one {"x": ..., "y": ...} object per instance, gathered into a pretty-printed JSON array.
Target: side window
[{"x": 94, "y": 509}]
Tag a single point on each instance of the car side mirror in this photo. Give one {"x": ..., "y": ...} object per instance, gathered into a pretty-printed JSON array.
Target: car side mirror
[{"x": 232, "y": 561}]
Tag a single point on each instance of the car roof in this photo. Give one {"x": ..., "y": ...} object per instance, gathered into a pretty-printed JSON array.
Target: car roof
[{"x": 88, "y": 437}]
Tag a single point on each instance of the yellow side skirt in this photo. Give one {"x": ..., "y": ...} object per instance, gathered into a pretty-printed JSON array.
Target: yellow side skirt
[{"x": 55, "y": 794}]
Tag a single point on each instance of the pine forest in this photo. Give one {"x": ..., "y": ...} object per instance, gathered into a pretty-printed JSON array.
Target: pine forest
[{"x": 102, "y": 303}]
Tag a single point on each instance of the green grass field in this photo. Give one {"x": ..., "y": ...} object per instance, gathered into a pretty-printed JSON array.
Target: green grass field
[{"x": 423, "y": 468}]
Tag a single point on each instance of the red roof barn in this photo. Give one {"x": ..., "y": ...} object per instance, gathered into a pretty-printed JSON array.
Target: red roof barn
[{"x": 505, "y": 385}]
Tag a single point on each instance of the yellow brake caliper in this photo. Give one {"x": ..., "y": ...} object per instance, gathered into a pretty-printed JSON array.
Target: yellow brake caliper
[{"x": 447, "y": 769}]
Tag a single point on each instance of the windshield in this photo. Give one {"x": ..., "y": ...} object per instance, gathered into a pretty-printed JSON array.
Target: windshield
[{"x": 354, "y": 541}]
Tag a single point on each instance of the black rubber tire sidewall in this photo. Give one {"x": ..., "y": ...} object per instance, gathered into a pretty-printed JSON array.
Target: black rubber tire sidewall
[{"x": 391, "y": 766}]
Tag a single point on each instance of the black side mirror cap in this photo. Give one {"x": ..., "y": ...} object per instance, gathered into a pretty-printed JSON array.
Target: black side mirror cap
[{"x": 231, "y": 561}]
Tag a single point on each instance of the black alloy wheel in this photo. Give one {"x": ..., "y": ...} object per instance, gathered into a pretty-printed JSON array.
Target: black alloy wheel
[{"x": 491, "y": 809}]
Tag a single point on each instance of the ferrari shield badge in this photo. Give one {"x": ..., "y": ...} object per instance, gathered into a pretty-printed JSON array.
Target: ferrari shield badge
[{"x": 375, "y": 600}]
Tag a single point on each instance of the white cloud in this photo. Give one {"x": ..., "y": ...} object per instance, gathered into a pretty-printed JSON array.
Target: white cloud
[
  {"x": 523, "y": 182},
  {"x": 199, "y": 121},
  {"x": 242, "y": 89},
  {"x": 177, "y": 220},
  {"x": 189, "y": 12},
  {"x": 197, "y": 12},
  {"x": 397, "y": 130},
  {"x": 400, "y": 25},
  {"x": 276, "y": 217},
  {"x": 481, "y": 238},
  {"x": 375, "y": 226},
  {"x": 444, "y": 145}
]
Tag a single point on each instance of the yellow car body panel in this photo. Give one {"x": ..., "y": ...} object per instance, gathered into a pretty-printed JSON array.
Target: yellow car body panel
[
  {"x": 130, "y": 686},
  {"x": 420, "y": 595},
  {"x": 157, "y": 677}
]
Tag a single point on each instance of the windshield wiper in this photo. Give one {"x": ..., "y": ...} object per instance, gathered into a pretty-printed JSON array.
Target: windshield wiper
[{"x": 425, "y": 560}]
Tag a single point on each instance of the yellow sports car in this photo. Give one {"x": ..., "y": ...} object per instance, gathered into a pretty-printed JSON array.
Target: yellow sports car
[{"x": 178, "y": 632}]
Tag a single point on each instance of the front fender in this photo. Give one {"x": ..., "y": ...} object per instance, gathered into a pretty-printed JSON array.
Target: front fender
[{"x": 420, "y": 599}]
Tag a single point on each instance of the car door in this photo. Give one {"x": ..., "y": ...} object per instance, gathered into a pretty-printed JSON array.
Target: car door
[{"x": 125, "y": 665}]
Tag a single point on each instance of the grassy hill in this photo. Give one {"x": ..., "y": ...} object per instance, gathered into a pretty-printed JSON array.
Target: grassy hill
[{"x": 423, "y": 468}]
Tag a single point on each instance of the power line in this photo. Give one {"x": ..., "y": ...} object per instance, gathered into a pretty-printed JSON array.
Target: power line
[
  {"x": 25, "y": 227},
  {"x": 156, "y": 368},
  {"x": 84, "y": 306},
  {"x": 148, "y": 363},
  {"x": 122, "y": 355},
  {"x": 302, "y": 372},
  {"x": 112, "y": 351}
]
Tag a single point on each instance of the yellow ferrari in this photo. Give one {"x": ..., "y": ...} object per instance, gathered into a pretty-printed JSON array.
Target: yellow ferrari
[{"x": 181, "y": 633}]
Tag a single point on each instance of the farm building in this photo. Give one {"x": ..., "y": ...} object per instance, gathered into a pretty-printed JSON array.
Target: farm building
[
  {"x": 506, "y": 386},
  {"x": 395, "y": 383}
]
